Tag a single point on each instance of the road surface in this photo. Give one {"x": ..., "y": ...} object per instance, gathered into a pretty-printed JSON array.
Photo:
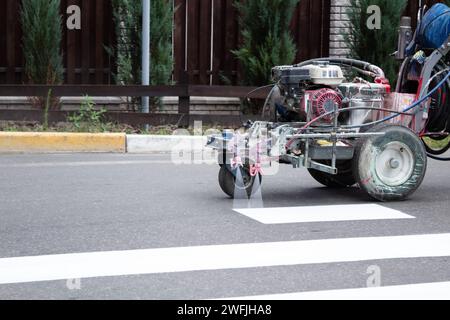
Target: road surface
[{"x": 108, "y": 226}]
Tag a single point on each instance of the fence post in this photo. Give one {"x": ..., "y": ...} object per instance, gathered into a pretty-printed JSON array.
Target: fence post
[{"x": 184, "y": 102}]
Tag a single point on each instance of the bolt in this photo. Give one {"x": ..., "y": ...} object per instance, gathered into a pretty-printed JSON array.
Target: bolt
[{"x": 394, "y": 163}]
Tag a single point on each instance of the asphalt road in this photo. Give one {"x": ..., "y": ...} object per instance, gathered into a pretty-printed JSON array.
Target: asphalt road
[{"x": 67, "y": 204}]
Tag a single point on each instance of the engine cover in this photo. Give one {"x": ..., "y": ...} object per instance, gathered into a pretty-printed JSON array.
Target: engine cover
[
  {"x": 324, "y": 101},
  {"x": 322, "y": 73}
]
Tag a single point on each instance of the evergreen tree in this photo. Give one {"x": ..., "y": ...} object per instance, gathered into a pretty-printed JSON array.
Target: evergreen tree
[
  {"x": 42, "y": 26},
  {"x": 161, "y": 42},
  {"x": 128, "y": 20},
  {"x": 267, "y": 41},
  {"x": 375, "y": 46}
]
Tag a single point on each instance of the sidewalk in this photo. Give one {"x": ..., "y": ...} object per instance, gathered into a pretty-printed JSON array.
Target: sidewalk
[{"x": 18, "y": 142}]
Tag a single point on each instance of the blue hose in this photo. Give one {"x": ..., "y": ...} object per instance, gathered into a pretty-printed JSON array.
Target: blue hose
[{"x": 418, "y": 102}]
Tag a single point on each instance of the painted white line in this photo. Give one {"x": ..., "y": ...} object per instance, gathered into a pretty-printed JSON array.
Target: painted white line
[
  {"x": 323, "y": 214},
  {"x": 422, "y": 291},
  {"x": 150, "y": 144},
  {"x": 83, "y": 163},
  {"x": 150, "y": 261}
]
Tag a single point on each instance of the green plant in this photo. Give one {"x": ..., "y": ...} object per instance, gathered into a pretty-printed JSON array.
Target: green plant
[
  {"x": 267, "y": 41},
  {"x": 375, "y": 46},
  {"x": 41, "y": 21},
  {"x": 87, "y": 118},
  {"x": 127, "y": 18},
  {"x": 128, "y": 21}
]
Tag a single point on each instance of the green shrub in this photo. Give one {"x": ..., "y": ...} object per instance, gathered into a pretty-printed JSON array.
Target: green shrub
[
  {"x": 41, "y": 22},
  {"x": 128, "y": 21},
  {"x": 267, "y": 41},
  {"x": 375, "y": 46},
  {"x": 87, "y": 118},
  {"x": 127, "y": 18}
]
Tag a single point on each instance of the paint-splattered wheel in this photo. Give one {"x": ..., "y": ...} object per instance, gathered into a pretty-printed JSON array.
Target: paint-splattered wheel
[
  {"x": 390, "y": 167},
  {"x": 238, "y": 183}
]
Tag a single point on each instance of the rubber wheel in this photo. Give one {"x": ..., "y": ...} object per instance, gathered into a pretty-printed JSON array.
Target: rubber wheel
[
  {"x": 228, "y": 182},
  {"x": 390, "y": 167},
  {"x": 343, "y": 179}
]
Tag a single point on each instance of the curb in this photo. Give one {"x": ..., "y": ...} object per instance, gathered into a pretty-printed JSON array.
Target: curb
[
  {"x": 165, "y": 144},
  {"x": 62, "y": 142},
  {"x": 30, "y": 142}
]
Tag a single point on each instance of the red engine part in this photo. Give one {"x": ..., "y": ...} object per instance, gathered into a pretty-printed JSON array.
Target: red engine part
[
  {"x": 385, "y": 82},
  {"x": 324, "y": 101}
]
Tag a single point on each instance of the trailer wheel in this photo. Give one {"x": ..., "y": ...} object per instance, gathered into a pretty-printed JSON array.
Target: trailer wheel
[
  {"x": 343, "y": 179},
  {"x": 390, "y": 167},
  {"x": 228, "y": 182}
]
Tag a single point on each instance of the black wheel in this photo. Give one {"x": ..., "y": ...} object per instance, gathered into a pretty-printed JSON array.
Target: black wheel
[
  {"x": 343, "y": 179},
  {"x": 390, "y": 167},
  {"x": 238, "y": 187}
]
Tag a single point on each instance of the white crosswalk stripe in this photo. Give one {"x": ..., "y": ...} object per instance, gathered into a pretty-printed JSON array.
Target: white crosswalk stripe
[
  {"x": 169, "y": 260},
  {"x": 421, "y": 291},
  {"x": 17, "y": 270},
  {"x": 323, "y": 214}
]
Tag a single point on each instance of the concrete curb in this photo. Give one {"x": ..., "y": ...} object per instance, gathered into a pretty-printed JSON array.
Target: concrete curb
[
  {"x": 34, "y": 142},
  {"x": 62, "y": 142},
  {"x": 165, "y": 144}
]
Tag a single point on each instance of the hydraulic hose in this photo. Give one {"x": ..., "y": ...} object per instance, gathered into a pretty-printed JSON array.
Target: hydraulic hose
[
  {"x": 253, "y": 91},
  {"x": 357, "y": 64},
  {"x": 396, "y": 114},
  {"x": 414, "y": 105},
  {"x": 437, "y": 158}
]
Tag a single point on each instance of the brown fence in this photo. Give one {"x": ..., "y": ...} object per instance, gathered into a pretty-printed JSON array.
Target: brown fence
[
  {"x": 183, "y": 92},
  {"x": 85, "y": 58},
  {"x": 207, "y": 30}
]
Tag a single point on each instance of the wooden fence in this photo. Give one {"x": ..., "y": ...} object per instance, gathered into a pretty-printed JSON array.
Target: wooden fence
[
  {"x": 207, "y": 30},
  {"x": 183, "y": 92},
  {"x": 85, "y": 58}
]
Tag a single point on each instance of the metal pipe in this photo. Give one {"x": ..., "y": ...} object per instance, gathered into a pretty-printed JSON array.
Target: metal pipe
[
  {"x": 333, "y": 135},
  {"x": 365, "y": 66},
  {"x": 146, "y": 11},
  {"x": 337, "y": 135}
]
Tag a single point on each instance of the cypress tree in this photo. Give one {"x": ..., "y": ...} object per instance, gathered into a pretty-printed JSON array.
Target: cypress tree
[
  {"x": 375, "y": 46},
  {"x": 267, "y": 41},
  {"x": 128, "y": 20},
  {"x": 42, "y": 25}
]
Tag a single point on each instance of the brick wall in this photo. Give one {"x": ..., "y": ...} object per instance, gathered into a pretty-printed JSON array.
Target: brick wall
[{"x": 339, "y": 28}]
